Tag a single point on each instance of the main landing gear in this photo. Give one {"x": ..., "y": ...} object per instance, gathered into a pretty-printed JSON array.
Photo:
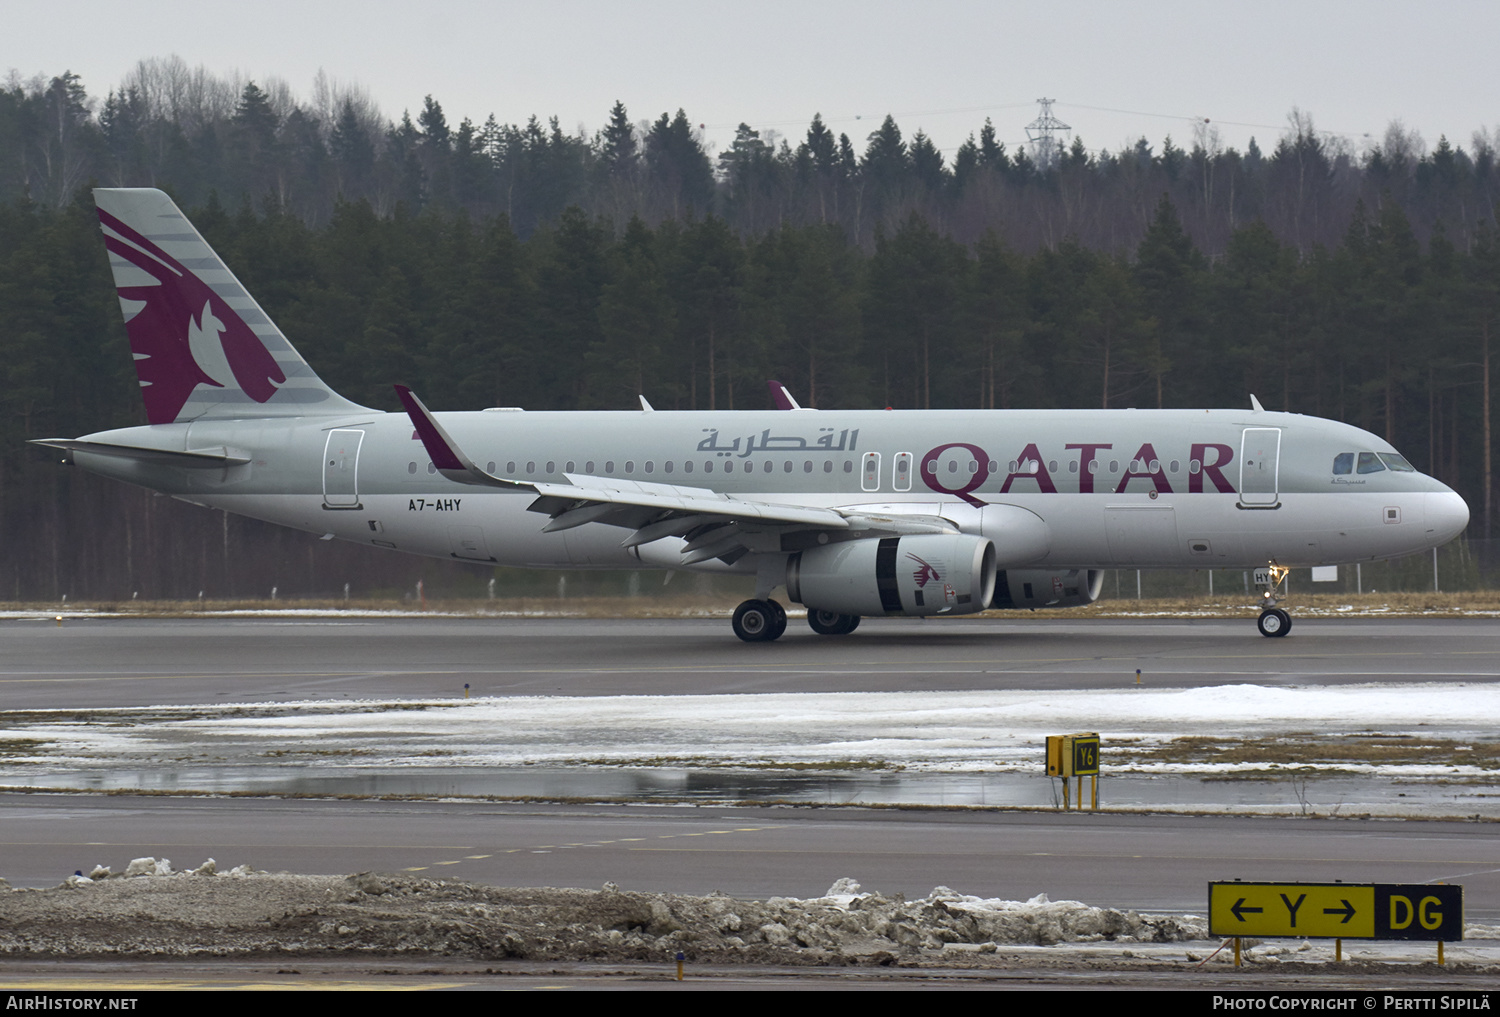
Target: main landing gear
[
  {"x": 759, "y": 621},
  {"x": 827, "y": 623},
  {"x": 1273, "y": 621}
]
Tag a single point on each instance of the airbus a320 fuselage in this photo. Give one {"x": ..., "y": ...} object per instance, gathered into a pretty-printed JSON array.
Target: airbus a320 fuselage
[{"x": 853, "y": 513}]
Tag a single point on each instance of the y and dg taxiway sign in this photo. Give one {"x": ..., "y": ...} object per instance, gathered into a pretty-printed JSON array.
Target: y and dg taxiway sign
[{"x": 1337, "y": 910}]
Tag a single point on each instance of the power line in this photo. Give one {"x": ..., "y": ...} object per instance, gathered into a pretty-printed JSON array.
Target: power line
[{"x": 1206, "y": 120}]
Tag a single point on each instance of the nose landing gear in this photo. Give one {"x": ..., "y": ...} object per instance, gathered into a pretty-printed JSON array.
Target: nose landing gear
[{"x": 1273, "y": 621}]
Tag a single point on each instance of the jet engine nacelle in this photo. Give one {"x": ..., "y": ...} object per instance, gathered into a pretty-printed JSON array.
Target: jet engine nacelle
[
  {"x": 938, "y": 573},
  {"x": 1032, "y": 588}
]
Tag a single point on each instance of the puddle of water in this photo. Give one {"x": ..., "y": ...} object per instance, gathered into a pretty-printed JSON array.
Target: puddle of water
[{"x": 1323, "y": 796}]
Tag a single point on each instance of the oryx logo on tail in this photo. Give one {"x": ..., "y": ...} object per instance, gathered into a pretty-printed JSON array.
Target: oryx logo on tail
[{"x": 183, "y": 334}]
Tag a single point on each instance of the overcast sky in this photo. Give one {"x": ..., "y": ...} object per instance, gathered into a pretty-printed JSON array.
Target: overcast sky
[{"x": 1117, "y": 70}]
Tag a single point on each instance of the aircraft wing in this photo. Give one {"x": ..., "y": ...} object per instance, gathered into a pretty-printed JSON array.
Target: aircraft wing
[{"x": 715, "y": 525}]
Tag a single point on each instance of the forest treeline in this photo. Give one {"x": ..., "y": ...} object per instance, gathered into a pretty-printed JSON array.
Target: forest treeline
[
  {"x": 466, "y": 264},
  {"x": 171, "y": 125}
]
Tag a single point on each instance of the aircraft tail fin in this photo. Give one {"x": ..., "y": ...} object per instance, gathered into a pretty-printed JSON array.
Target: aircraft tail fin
[{"x": 203, "y": 347}]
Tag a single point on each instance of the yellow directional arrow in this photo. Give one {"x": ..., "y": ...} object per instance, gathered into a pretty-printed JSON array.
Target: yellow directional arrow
[{"x": 1326, "y": 910}]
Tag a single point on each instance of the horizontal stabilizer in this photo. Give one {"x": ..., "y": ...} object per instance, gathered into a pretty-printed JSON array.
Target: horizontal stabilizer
[{"x": 218, "y": 457}]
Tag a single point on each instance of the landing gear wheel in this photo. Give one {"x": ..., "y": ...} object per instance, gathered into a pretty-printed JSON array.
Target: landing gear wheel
[
  {"x": 830, "y": 623},
  {"x": 778, "y": 616},
  {"x": 756, "y": 621},
  {"x": 1274, "y": 622}
]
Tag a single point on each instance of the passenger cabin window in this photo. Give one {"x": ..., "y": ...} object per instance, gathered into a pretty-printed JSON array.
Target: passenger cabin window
[{"x": 1369, "y": 462}]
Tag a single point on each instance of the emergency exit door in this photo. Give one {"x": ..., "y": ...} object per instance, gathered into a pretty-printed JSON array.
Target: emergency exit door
[{"x": 341, "y": 469}]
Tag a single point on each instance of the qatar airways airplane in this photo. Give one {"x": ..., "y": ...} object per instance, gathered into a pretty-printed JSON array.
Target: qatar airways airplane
[{"x": 852, "y": 513}]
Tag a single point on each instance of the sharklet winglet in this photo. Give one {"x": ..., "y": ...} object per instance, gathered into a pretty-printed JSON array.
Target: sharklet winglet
[
  {"x": 781, "y": 396},
  {"x": 449, "y": 459}
]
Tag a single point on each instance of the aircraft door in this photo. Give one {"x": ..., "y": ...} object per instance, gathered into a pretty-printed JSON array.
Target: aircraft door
[
  {"x": 901, "y": 471},
  {"x": 869, "y": 474},
  {"x": 1260, "y": 456},
  {"x": 341, "y": 469}
]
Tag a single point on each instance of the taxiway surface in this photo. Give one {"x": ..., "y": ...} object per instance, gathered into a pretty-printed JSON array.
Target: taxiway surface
[
  {"x": 1148, "y": 862},
  {"x": 140, "y": 662}
]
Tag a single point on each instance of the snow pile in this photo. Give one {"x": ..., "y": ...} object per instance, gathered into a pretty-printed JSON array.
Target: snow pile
[
  {"x": 167, "y": 913},
  {"x": 149, "y": 866},
  {"x": 847, "y": 921}
]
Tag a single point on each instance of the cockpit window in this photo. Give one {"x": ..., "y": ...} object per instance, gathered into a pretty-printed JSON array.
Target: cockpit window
[
  {"x": 1397, "y": 462},
  {"x": 1369, "y": 462},
  {"x": 1343, "y": 462}
]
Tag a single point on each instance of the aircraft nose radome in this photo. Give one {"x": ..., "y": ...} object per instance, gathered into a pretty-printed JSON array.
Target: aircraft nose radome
[{"x": 1447, "y": 515}]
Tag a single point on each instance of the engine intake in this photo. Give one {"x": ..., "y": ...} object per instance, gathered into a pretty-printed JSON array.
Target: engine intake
[{"x": 925, "y": 574}]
